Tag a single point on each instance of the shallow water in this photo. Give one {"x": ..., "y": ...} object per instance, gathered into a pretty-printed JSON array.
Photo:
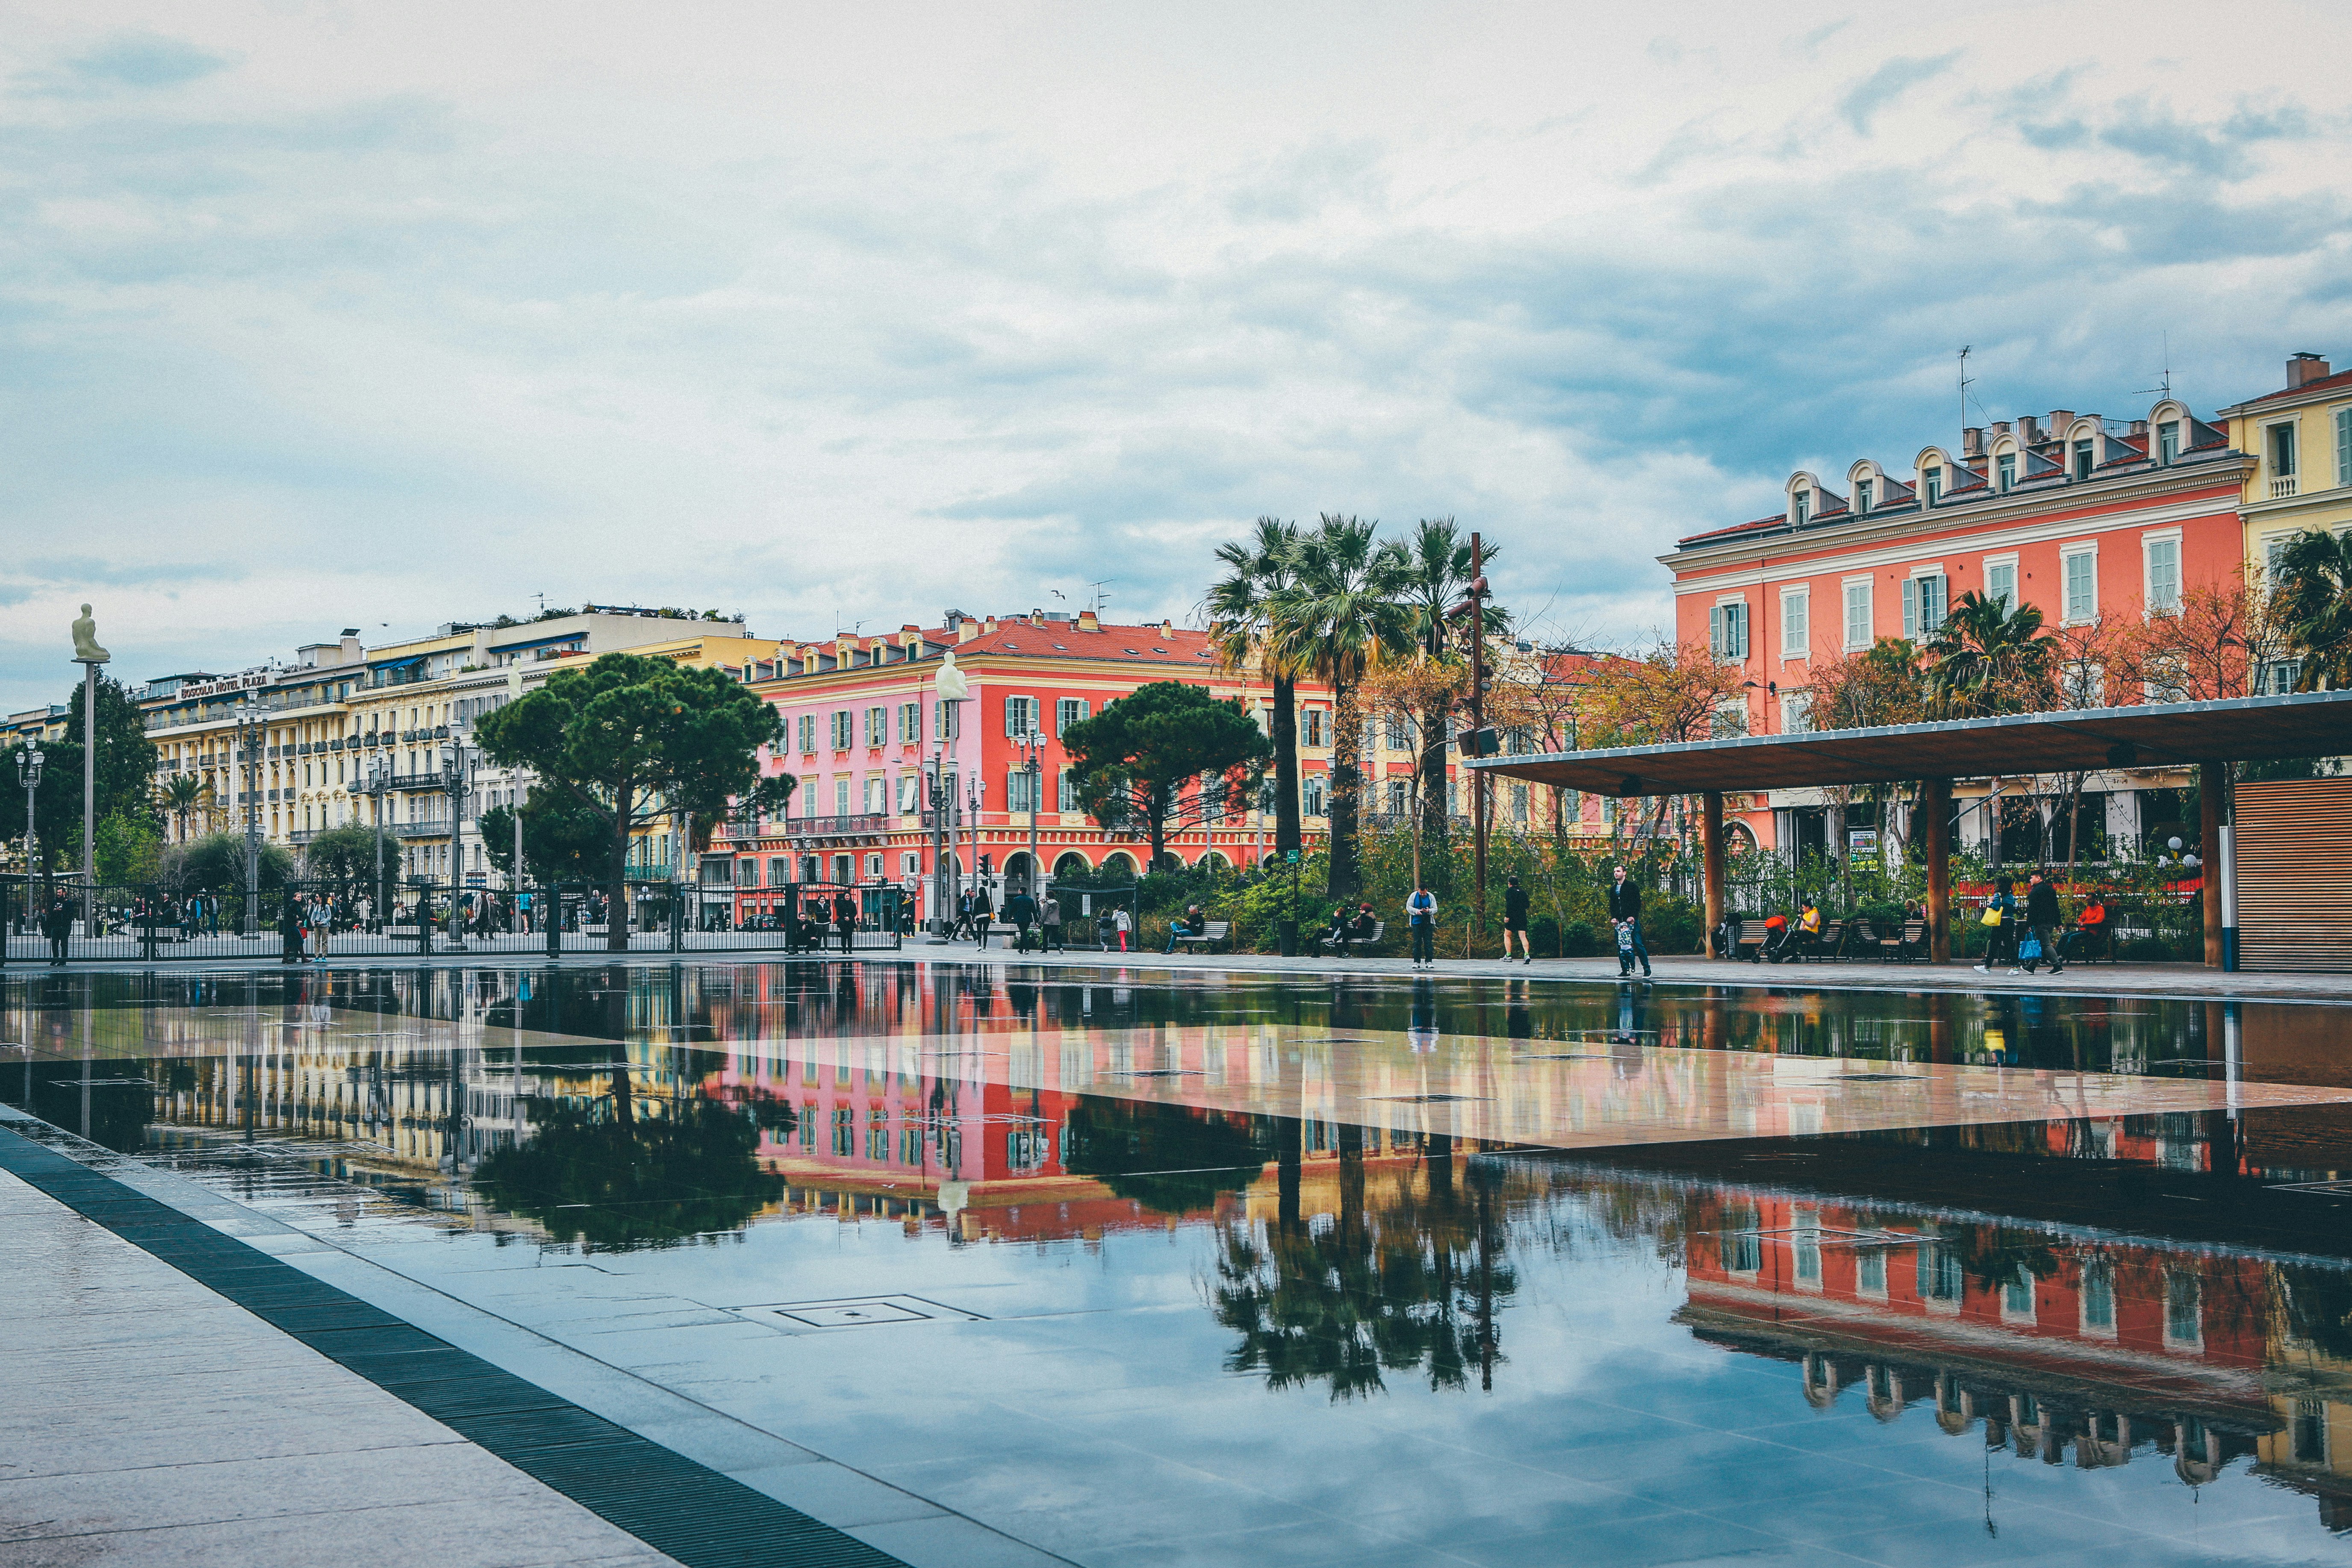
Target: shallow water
[{"x": 1262, "y": 1270}]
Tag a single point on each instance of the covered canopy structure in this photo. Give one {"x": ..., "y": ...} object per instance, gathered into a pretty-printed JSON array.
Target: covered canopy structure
[{"x": 2207, "y": 735}]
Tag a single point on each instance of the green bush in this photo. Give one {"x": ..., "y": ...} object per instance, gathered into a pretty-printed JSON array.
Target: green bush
[{"x": 1583, "y": 939}]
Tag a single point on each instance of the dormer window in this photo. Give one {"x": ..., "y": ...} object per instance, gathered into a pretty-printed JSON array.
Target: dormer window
[
  {"x": 2082, "y": 458},
  {"x": 1863, "y": 490},
  {"x": 2167, "y": 442},
  {"x": 1800, "y": 507},
  {"x": 1933, "y": 479},
  {"x": 2005, "y": 467}
]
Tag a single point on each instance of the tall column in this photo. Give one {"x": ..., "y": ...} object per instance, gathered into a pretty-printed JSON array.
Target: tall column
[
  {"x": 1936, "y": 800},
  {"x": 89, "y": 783},
  {"x": 1711, "y": 853},
  {"x": 2212, "y": 783}
]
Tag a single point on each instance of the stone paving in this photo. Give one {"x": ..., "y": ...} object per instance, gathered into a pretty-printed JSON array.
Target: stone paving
[{"x": 147, "y": 1420}]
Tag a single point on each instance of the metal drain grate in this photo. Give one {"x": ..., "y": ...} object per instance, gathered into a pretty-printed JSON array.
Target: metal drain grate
[
  {"x": 1426, "y": 1099},
  {"x": 856, "y": 1313}
]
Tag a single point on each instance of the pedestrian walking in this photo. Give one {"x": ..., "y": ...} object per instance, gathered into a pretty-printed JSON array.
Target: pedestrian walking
[
  {"x": 1022, "y": 911},
  {"x": 982, "y": 912},
  {"x": 290, "y": 931},
  {"x": 2000, "y": 921},
  {"x": 2042, "y": 920},
  {"x": 1625, "y": 913},
  {"x": 1420, "y": 917},
  {"x": 1124, "y": 924},
  {"x": 1049, "y": 925},
  {"x": 1514, "y": 922}
]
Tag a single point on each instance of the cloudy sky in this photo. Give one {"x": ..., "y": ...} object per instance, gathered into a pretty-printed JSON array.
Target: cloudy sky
[{"x": 382, "y": 315}]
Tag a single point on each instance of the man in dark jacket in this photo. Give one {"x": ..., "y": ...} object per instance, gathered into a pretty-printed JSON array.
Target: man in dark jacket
[
  {"x": 1514, "y": 923},
  {"x": 844, "y": 918},
  {"x": 1022, "y": 911},
  {"x": 2042, "y": 917},
  {"x": 1625, "y": 913},
  {"x": 57, "y": 924}
]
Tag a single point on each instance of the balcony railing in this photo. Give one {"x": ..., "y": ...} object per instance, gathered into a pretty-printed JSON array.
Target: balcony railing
[{"x": 2283, "y": 487}]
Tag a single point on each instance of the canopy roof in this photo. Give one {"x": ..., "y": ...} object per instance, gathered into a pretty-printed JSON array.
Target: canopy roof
[{"x": 2243, "y": 729}]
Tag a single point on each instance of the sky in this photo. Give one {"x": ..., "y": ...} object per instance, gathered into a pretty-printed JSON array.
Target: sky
[{"x": 324, "y": 315}]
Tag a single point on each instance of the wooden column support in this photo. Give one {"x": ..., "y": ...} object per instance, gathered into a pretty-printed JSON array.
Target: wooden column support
[
  {"x": 2212, "y": 786},
  {"x": 1936, "y": 800}
]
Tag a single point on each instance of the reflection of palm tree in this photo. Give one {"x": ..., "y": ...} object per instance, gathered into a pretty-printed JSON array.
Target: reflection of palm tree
[{"x": 1414, "y": 1286}]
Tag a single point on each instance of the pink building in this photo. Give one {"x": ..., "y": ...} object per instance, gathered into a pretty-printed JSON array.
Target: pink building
[{"x": 2088, "y": 519}]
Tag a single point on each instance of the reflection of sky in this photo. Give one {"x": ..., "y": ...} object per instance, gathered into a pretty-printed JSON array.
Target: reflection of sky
[{"x": 1088, "y": 1401}]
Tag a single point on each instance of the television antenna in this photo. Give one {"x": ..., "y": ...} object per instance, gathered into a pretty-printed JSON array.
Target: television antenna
[
  {"x": 2163, "y": 382},
  {"x": 1966, "y": 350}
]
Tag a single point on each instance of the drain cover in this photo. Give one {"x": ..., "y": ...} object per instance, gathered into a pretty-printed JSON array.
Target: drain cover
[{"x": 857, "y": 1312}]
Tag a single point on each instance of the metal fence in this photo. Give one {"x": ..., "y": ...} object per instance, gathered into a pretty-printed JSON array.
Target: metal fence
[{"x": 52, "y": 920}]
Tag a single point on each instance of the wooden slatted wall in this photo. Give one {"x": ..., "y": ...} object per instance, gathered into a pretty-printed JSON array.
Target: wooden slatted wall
[{"x": 2294, "y": 876}]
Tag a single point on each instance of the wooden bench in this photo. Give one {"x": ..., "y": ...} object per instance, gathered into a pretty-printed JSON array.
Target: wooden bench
[
  {"x": 1211, "y": 933},
  {"x": 2083, "y": 945},
  {"x": 1748, "y": 941},
  {"x": 1357, "y": 943},
  {"x": 1830, "y": 943}
]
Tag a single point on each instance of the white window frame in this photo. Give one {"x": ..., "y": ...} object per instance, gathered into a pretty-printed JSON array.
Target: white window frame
[
  {"x": 2147, "y": 545},
  {"x": 877, "y": 795},
  {"x": 2294, "y": 445},
  {"x": 1720, "y": 640},
  {"x": 2342, "y": 420},
  {"x": 1023, "y": 715},
  {"x": 1847, "y": 607},
  {"x": 1931, "y": 485},
  {"x": 1802, "y": 624},
  {"x": 2067, "y": 556},
  {"x": 1995, "y": 563},
  {"x": 910, "y": 794},
  {"x": 1069, "y": 710},
  {"x": 910, "y": 723},
  {"x": 1914, "y": 619},
  {"x": 1796, "y": 713}
]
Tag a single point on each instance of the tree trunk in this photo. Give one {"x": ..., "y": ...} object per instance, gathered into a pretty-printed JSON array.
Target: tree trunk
[
  {"x": 1160, "y": 802},
  {"x": 1430, "y": 773},
  {"x": 616, "y": 914},
  {"x": 1347, "y": 789},
  {"x": 1285, "y": 767}
]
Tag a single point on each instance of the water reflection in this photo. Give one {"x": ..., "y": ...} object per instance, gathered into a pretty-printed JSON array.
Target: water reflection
[{"x": 2124, "y": 1296}]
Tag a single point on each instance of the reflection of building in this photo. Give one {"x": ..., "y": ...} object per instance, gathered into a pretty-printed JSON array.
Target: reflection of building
[{"x": 2068, "y": 1347}]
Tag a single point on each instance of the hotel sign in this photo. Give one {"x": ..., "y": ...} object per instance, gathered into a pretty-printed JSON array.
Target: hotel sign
[{"x": 245, "y": 682}]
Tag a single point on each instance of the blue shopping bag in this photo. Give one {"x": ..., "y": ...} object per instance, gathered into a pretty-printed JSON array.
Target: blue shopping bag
[{"x": 2030, "y": 951}]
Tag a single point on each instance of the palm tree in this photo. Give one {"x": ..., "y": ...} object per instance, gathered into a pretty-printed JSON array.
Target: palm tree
[
  {"x": 1987, "y": 659},
  {"x": 2312, "y": 599},
  {"x": 1438, "y": 572},
  {"x": 1239, "y": 610},
  {"x": 183, "y": 795},
  {"x": 1343, "y": 612}
]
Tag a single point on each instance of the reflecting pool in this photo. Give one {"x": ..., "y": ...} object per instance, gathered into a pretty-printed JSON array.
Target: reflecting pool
[{"x": 1176, "y": 1268}]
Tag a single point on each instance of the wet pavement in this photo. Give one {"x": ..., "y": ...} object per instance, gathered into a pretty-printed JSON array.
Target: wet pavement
[{"x": 997, "y": 1262}]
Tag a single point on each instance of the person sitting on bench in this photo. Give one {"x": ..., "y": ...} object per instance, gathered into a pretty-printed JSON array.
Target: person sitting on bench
[
  {"x": 1345, "y": 927},
  {"x": 1192, "y": 922}
]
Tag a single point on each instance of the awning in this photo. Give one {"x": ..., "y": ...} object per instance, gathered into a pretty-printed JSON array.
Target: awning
[{"x": 2170, "y": 734}]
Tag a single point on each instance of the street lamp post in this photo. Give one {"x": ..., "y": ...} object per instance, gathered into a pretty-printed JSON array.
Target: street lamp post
[
  {"x": 379, "y": 781},
  {"x": 28, "y": 777},
  {"x": 456, "y": 776},
  {"x": 249, "y": 732},
  {"x": 1033, "y": 746}
]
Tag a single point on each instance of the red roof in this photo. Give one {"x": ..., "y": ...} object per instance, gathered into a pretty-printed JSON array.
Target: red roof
[{"x": 2341, "y": 379}]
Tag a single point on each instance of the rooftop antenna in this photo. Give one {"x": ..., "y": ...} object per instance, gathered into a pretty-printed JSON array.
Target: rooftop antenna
[
  {"x": 1966, "y": 350},
  {"x": 2163, "y": 382},
  {"x": 1102, "y": 600},
  {"x": 543, "y": 603}
]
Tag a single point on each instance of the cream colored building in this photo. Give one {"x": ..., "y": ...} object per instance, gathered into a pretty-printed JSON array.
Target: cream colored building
[
  {"x": 341, "y": 715},
  {"x": 2301, "y": 436}
]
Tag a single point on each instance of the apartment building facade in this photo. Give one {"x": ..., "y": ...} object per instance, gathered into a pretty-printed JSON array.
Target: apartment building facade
[
  {"x": 351, "y": 735},
  {"x": 2300, "y": 440},
  {"x": 2088, "y": 519}
]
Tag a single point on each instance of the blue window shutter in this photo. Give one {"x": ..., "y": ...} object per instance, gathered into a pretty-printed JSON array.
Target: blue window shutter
[{"x": 1910, "y": 607}]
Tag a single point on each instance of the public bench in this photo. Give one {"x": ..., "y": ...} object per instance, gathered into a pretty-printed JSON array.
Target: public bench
[
  {"x": 1748, "y": 940},
  {"x": 1355, "y": 943},
  {"x": 1211, "y": 933}
]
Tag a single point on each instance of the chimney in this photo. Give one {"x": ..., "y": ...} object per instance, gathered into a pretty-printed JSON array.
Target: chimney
[
  {"x": 2139, "y": 426},
  {"x": 2028, "y": 430},
  {"x": 1088, "y": 621},
  {"x": 2304, "y": 368},
  {"x": 1972, "y": 441},
  {"x": 1167, "y": 627},
  {"x": 2058, "y": 420},
  {"x": 2000, "y": 428},
  {"x": 967, "y": 630}
]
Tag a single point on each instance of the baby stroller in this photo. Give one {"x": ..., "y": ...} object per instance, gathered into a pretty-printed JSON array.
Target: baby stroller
[{"x": 1778, "y": 943}]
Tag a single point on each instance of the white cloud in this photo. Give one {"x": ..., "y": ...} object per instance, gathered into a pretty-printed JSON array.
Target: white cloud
[{"x": 327, "y": 318}]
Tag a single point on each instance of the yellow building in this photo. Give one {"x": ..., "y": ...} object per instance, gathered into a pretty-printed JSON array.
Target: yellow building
[
  {"x": 342, "y": 714},
  {"x": 2302, "y": 439}
]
